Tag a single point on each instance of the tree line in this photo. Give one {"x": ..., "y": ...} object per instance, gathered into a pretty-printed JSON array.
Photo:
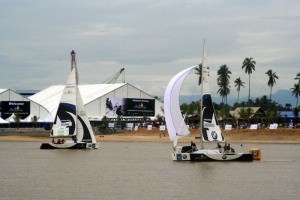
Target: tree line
[
  {"x": 248, "y": 65},
  {"x": 224, "y": 88}
]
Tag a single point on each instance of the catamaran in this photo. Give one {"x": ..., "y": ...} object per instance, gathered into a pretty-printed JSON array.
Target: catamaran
[
  {"x": 209, "y": 126},
  {"x": 71, "y": 128}
]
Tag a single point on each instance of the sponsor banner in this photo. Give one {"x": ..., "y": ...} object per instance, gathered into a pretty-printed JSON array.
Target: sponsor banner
[
  {"x": 208, "y": 125},
  {"x": 130, "y": 107},
  {"x": 66, "y": 123},
  {"x": 7, "y": 108}
]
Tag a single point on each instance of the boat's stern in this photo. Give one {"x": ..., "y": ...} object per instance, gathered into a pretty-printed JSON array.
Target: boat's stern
[
  {"x": 92, "y": 145},
  {"x": 178, "y": 155},
  {"x": 181, "y": 156},
  {"x": 256, "y": 153}
]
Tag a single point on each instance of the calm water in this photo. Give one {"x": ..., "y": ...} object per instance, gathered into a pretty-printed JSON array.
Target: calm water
[{"x": 143, "y": 171}]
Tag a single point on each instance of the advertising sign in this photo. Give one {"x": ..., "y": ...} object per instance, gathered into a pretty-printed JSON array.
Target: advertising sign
[
  {"x": 130, "y": 107},
  {"x": 7, "y": 108}
]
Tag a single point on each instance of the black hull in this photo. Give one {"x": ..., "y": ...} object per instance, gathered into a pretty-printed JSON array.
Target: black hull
[{"x": 72, "y": 146}]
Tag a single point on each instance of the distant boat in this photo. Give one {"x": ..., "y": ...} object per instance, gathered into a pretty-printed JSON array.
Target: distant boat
[
  {"x": 71, "y": 128},
  {"x": 210, "y": 129}
]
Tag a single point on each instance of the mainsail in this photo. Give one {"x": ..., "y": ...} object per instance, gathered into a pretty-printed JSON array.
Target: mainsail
[
  {"x": 209, "y": 124},
  {"x": 174, "y": 119}
]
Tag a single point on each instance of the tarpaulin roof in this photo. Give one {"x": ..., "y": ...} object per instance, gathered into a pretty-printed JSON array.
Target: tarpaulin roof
[
  {"x": 50, "y": 97},
  {"x": 2, "y": 90}
]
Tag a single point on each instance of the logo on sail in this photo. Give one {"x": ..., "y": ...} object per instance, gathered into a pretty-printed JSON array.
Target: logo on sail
[{"x": 214, "y": 135}]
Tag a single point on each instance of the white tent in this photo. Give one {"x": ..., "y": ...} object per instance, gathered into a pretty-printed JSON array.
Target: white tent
[
  {"x": 94, "y": 97},
  {"x": 29, "y": 118},
  {"x": 2, "y": 121},
  {"x": 11, "y": 118},
  {"x": 35, "y": 109}
]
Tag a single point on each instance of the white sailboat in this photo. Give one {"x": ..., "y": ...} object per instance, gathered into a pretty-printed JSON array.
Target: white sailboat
[
  {"x": 71, "y": 128},
  {"x": 210, "y": 129}
]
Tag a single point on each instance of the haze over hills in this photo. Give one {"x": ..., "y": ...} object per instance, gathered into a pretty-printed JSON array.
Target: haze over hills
[{"x": 281, "y": 96}]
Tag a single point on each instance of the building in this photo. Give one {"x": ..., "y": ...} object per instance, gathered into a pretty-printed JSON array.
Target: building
[
  {"x": 110, "y": 100},
  {"x": 288, "y": 116},
  {"x": 250, "y": 112},
  {"x": 13, "y": 104}
]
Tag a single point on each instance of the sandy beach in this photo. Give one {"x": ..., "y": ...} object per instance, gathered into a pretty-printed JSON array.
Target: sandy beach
[{"x": 281, "y": 135}]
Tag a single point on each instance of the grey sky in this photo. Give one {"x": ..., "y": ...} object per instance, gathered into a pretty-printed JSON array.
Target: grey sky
[{"x": 153, "y": 39}]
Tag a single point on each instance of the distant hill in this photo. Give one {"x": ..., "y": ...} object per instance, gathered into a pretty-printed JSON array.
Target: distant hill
[{"x": 281, "y": 96}]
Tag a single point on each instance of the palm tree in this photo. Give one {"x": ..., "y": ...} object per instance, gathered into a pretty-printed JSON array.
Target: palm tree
[
  {"x": 249, "y": 65},
  {"x": 34, "y": 119},
  {"x": 288, "y": 107},
  {"x": 17, "y": 119},
  {"x": 298, "y": 77},
  {"x": 272, "y": 80},
  {"x": 223, "y": 92},
  {"x": 238, "y": 83},
  {"x": 223, "y": 82},
  {"x": 199, "y": 72},
  {"x": 296, "y": 92}
]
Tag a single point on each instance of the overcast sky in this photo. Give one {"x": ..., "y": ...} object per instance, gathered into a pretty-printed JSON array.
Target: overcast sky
[{"x": 153, "y": 39}]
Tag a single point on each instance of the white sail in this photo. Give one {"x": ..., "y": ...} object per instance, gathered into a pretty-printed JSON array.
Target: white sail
[
  {"x": 210, "y": 127},
  {"x": 174, "y": 119},
  {"x": 84, "y": 128},
  {"x": 71, "y": 115}
]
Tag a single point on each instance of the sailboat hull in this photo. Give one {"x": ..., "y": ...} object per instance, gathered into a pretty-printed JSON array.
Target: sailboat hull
[
  {"x": 69, "y": 146},
  {"x": 200, "y": 156}
]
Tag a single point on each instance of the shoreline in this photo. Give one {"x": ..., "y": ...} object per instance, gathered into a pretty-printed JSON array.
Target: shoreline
[{"x": 279, "y": 136}]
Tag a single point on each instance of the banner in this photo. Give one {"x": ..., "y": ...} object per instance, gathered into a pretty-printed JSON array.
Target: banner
[
  {"x": 129, "y": 107},
  {"x": 7, "y": 108}
]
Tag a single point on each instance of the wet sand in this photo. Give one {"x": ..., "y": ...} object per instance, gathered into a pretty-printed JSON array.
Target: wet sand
[{"x": 281, "y": 135}]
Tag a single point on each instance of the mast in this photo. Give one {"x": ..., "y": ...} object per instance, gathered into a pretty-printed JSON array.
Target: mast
[
  {"x": 74, "y": 67},
  {"x": 201, "y": 102},
  {"x": 210, "y": 129}
]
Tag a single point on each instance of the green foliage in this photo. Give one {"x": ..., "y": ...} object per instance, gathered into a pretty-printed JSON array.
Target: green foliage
[
  {"x": 159, "y": 118},
  {"x": 246, "y": 113},
  {"x": 34, "y": 119},
  {"x": 270, "y": 108},
  {"x": 238, "y": 83},
  {"x": 262, "y": 102},
  {"x": 271, "y": 115},
  {"x": 17, "y": 119},
  {"x": 296, "y": 91},
  {"x": 298, "y": 77},
  {"x": 223, "y": 111},
  {"x": 288, "y": 107},
  {"x": 296, "y": 111},
  {"x": 272, "y": 80},
  {"x": 223, "y": 82},
  {"x": 105, "y": 121},
  {"x": 199, "y": 72},
  {"x": 190, "y": 109},
  {"x": 249, "y": 67}
]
